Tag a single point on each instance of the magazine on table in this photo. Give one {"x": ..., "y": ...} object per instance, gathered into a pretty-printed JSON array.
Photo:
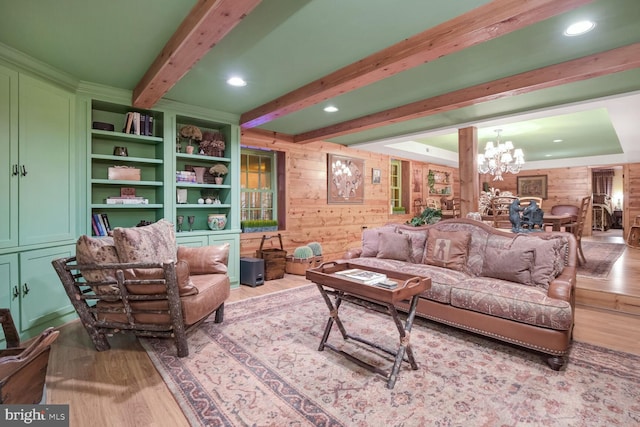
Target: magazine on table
[{"x": 363, "y": 276}]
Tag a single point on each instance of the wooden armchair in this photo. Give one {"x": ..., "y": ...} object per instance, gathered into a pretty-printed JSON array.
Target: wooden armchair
[
  {"x": 577, "y": 227},
  {"x": 23, "y": 370},
  {"x": 151, "y": 304},
  {"x": 144, "y": 298}
]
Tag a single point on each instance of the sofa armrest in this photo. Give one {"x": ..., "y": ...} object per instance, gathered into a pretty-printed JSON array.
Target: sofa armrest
[
  {"x": 352, "y": 253},
  {"x": 562, "y": 287}
]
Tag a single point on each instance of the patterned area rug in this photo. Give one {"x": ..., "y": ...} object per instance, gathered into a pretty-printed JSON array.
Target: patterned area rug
[
  {"x": 261, "y": 367},
  {"x": 600, "y": 258}
]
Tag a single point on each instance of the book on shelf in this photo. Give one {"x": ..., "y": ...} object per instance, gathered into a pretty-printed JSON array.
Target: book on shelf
[
  {"x": 126, "y": 201},
  {"x": 98, "y": 224},
  {"x": 363, "y": 276},
  {"x": 105, "y": 221}
]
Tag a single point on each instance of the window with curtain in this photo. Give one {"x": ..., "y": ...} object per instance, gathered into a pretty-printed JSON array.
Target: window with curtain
[{"x": 602, "y": 181}]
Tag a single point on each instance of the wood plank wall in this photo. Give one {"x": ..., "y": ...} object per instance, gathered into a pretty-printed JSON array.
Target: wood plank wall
[{"x": 336, "y": 227}]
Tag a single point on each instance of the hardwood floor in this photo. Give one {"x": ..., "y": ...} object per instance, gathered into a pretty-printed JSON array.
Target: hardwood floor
[{"x": 121, "y": 386}]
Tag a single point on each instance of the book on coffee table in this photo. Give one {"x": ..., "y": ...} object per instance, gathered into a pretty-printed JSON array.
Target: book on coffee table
[{"x": 363, "y": 276}]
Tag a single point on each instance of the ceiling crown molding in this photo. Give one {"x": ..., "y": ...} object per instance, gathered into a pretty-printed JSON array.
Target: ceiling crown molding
[{"x": 25, "y": 63}]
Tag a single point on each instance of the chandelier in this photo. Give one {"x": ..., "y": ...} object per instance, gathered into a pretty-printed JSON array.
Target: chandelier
[{"x": 500, "y": 158}]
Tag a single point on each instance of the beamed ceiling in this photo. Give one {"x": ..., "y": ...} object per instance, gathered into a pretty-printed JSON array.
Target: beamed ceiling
[{"x": 405, "y": 75}]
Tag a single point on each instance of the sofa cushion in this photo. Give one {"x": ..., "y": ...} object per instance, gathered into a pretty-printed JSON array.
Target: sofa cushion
[
  {"x": 441, "y": 278},
  {"x": 151, "y": 243},
  {"x": 447, "y": 249},
  {"x": 509, "y": 264},
  {"x": 92, "y": 250},
  {"x": 548, "y": 257},
  {"x": 524, "y": 304},
  {"x": 210, "y": 259},
  {"x": 394, "y": 246},
  {"x": 370, "y": 240},
  {"x": 418, "y": 242}
]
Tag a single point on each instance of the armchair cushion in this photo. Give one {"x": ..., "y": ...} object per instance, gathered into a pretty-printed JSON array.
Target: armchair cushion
[
  {"x": 185, "y": 286},
  {"x": 206, "y": 259}
]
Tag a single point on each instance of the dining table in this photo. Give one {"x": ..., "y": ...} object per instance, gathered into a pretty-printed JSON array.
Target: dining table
[{"x": 557, "y": 221}]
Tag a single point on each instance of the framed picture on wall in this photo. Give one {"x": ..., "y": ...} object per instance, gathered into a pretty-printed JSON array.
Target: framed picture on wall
[
  {"x": 345, "y": 179},
  {"x": 375, "y": 176},
  {"x": 535, "y": 186}
]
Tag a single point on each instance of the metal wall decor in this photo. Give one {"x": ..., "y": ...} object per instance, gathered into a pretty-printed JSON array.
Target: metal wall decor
[{"x": 345, "y": 179}]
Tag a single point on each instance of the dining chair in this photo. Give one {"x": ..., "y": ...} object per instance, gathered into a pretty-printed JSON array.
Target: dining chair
[
  {"x": 577, "y": 227},
  {"x": 500, "y": 211},
  {"x": 526, "y": 201}
]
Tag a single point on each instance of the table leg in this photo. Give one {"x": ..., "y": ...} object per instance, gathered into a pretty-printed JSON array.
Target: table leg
[
  {"x": 333, "y": 316},
  {"x": 405, "y": 345}
]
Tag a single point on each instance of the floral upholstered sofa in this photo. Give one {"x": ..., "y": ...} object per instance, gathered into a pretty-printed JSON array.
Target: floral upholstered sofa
[{"x": 517, "y": 288}]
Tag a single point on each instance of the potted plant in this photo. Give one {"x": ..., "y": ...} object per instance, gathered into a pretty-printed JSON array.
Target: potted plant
[
  {"x": 300, "y": 261},
  {"x": 256, "y": 225},
  {"x": 212, "y": 144},
  {"x": 317, "y": 253},
  {"x": 398, "y": 210},
  {"x": 428, "y": 216},
  {"x": 192, "y": 133},
  {"x": 218, "y": 171}
]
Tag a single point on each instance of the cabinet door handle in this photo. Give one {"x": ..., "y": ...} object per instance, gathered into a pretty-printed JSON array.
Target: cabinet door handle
[
  {"x": 25, "y": 290},
  {"x": 15, "y": 170},
  {"x": 16, "y": 292},
  {"x": 24, "y": 171}
]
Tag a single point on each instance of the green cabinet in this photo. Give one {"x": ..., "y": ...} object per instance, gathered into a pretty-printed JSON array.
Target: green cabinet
[
  {"x": 43, "y": 301},
  {"x": 32, "y": 291},
  {"x": 9, "y": 159},
  {"x": 9, "y": 282},
  {"x": 38, "y": 177}
]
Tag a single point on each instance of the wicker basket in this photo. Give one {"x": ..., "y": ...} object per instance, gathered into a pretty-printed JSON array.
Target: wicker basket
[{"x": 299, "y": 266}]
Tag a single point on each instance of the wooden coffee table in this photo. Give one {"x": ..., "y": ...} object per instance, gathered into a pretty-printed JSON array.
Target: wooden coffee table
[{"x": 373, "y": 298}]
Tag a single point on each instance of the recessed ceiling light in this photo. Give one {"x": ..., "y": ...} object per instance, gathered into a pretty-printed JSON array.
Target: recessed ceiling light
[
  {"x": 579, "y": 28},
  {"x": 557, "y": 140},
  {"x": 237, "y": 81},
  {"x": 547, "y": 155},
  {"x": 330, "y": 109}
]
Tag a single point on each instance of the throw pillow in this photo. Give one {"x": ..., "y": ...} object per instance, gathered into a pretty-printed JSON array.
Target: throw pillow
[
  {"x": 205, "y": 259},
  {"x": 370, "y": 240},
  {"x": 546, "y": 253},
  {"x": 418, "y": 241},
  {"x": 394, "y": 246},
  {"x": 447, "y": 249},
  {"x": 91, "y": 250},
  {"x": 508, "y": 264},
  {"x": 151, "y": 243}
]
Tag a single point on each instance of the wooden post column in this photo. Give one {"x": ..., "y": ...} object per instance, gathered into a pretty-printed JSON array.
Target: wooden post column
[{"x": 468, "y": 166}]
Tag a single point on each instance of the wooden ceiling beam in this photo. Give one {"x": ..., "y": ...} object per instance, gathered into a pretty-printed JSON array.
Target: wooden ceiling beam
[
  {"x": 596, "y": 65},
  {"x": 208, "y": 22},
  {"x": 482, "y": 24}
]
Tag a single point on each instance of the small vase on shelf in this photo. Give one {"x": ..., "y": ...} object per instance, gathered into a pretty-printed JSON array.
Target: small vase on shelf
[{"x": 217, "y": 221}]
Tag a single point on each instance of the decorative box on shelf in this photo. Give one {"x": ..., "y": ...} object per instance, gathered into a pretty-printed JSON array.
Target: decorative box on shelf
[{"x": 125, "y": 173}]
